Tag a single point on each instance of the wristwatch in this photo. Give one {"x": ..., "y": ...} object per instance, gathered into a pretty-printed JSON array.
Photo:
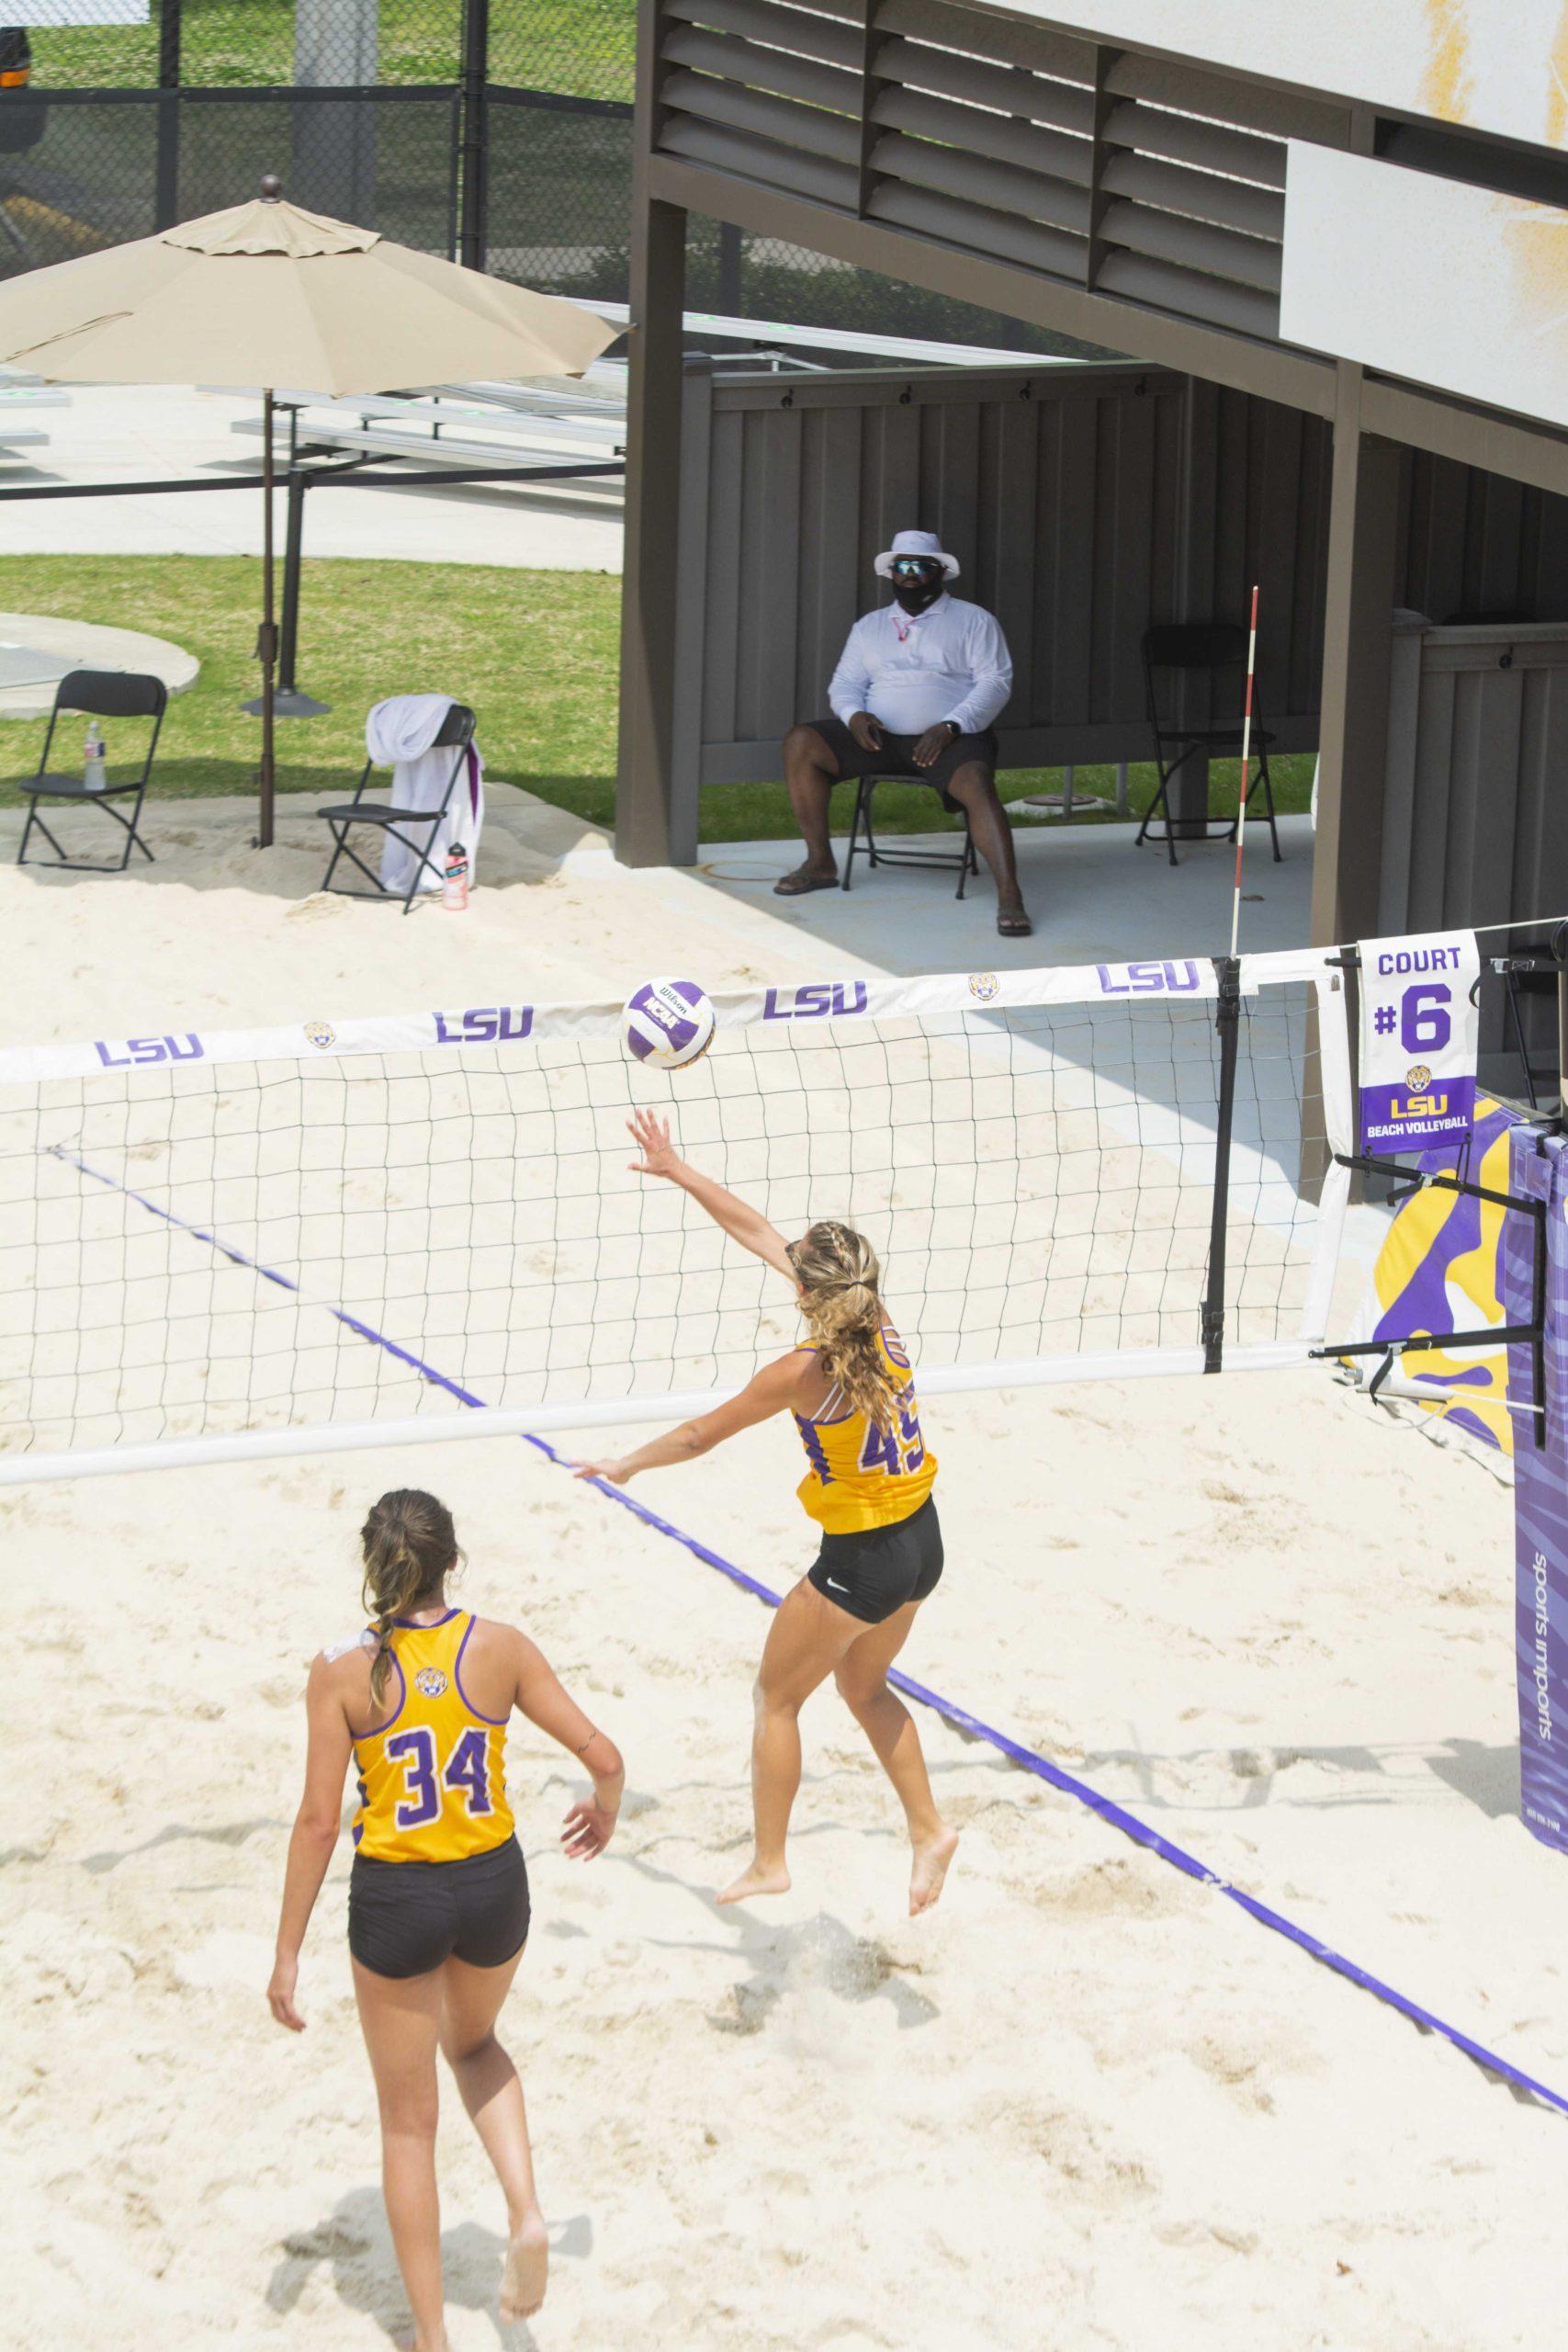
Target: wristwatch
[{"x": 953, "y": 725}]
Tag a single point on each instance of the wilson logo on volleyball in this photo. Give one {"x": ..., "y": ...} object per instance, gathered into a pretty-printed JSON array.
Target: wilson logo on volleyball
[
  {"x": 483, "y": 1024},
  {"x": 119, "y": 1053},
  {"x": 823, "y": 1000}
]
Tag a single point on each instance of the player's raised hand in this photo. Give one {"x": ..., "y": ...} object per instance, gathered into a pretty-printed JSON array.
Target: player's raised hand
[{"x": 651, "y": 1136}]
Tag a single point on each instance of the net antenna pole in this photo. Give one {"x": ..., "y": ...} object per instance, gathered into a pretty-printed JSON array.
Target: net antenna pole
[{"x": 1246, "y": 769}]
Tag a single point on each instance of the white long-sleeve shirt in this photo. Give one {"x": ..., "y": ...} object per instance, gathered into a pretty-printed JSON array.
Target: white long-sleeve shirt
[{"x": 911, "y": 671}]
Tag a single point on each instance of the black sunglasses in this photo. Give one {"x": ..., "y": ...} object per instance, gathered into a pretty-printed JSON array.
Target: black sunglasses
[{"x": 914, "y": 566}]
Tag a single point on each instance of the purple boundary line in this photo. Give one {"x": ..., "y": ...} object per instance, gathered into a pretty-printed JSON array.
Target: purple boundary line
[{"x": 975, "y": 1727}]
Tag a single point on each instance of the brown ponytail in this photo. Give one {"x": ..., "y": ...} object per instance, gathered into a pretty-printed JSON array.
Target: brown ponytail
[
  {"x": 838, "y": 1272},
  {"x": 410, "y": 1547}
]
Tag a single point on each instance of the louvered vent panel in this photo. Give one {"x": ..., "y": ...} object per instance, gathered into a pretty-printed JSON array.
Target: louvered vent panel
[
  {"x": 764, "y": 91},
  {"x": 1191, "y": 216},
  {"x": 979, "y": 131},
  {"x": 990, "y": 147}
]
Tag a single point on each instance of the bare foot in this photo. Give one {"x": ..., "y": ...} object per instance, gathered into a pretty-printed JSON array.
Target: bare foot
[
  {"x": 757, "y": 1881},
  {"x": 931, "y": 1868},
  {"x": 527, "y": 2266}
]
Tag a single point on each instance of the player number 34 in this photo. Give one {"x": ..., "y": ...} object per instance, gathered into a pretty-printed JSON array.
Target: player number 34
[{"x": 465, "y": 1769}]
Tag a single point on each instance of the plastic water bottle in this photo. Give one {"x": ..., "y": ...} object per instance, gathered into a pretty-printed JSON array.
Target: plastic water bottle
[
  {"x": 454, "y": 888},
  {"x": 95, "y": 759}
]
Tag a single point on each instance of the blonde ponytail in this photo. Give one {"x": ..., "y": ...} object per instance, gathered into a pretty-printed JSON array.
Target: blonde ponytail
[
  {"x": 410, "y": 1547},
  {"x": 838, "y": 1275}
]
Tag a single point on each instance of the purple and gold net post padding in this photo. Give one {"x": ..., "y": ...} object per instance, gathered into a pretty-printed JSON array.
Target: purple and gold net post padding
[{"x": 1539, "y": 1171}]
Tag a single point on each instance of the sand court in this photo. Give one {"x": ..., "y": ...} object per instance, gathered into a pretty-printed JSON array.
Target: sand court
[{"x": 1083, "y": 2092}]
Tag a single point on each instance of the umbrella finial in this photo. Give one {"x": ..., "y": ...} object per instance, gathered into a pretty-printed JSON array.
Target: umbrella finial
[{"x": 271, "y": 187}]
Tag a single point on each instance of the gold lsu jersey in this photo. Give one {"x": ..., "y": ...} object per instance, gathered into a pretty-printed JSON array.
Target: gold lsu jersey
[
  {"x": 862, "y": 1475},
  {"x": 431, "y": 1778}
]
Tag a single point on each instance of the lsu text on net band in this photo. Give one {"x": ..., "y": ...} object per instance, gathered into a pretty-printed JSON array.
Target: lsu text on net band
[{"x": 327, "y": 1234}]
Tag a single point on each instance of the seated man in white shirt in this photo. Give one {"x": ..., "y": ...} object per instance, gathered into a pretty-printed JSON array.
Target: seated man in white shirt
[{"x": 917, "y": 688}]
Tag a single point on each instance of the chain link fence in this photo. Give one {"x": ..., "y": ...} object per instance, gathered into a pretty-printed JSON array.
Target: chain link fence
[{"x": 498, "y": 131}]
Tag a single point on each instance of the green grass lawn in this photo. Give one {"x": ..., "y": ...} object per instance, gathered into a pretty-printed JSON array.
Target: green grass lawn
[
  {"x": 534, "y": 652},
  {"x": 585, "y": 48}
]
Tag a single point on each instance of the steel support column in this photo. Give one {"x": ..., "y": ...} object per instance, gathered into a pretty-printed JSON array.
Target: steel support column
[
  {"x": 645, "y": 773},
  {"x": 1363, "y": 546}
]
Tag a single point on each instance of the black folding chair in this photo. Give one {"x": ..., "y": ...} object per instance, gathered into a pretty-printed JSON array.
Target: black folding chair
[
  {"x": 457, "y": 733},
  {"x": 1190, "y": 651},
  {"x": 96, "y": 694},
  {"x": 966, "y": 862}
]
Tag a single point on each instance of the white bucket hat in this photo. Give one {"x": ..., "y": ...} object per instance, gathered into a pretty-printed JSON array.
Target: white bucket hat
[{"x": 915, "y": 543}]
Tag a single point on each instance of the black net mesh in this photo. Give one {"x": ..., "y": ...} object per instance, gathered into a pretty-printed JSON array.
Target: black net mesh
[
  {"x": 190, "y": 1246},
  {"x": 111, "y": 166},
  {"x": 558, "y": 183},
  {"x": 95, "y": 151},
  {"x": 389, "y": 158}
]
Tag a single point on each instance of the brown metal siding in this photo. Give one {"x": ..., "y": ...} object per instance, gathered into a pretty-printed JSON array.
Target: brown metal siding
[
  {"x": 1083, "y": 504},
  {"x": 1069, "y": 498},
  {"x": 1479, "y": 834}
]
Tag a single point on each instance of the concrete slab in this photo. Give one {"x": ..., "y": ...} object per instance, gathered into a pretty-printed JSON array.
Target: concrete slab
[
  {"x": 153, "y": 433},
  {"x": 40, "y": 647},
  {"x": 1094, "y": 898}
]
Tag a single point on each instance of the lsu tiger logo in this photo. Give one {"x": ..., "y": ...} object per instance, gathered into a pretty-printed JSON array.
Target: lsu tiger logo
[
  {"x": 1419, "y": 1079},
  {"x": 984, "y": 984},
  {"x": 430, "y": 1682},
  {"x": 321, "y": 1033}
]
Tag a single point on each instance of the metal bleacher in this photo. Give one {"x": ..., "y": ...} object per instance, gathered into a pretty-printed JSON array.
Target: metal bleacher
[
  {"x": 551, "y": 420},
  {"x": 21, "y": 396},
  {"x": 503, "y": 425}
]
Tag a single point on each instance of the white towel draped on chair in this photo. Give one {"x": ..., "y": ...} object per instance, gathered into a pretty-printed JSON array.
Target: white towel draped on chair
[{"x": 401, "y": 733}]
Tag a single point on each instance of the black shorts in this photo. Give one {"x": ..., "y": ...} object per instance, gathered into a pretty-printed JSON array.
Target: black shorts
[
  {"x": 876, "y": 1570},
  {"x": 896, "y": 756},
  {"x": 405, "y": 1919}
]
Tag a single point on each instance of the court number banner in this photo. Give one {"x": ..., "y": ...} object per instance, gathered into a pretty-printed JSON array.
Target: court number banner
[{"x": 1419, "y": 1041}]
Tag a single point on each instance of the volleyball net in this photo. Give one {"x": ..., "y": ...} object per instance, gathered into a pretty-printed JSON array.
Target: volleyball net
[{"x": 297, "y": 1240}]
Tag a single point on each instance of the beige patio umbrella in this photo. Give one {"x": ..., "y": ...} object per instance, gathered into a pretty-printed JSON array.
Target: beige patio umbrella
[{"x": 265, "y": 294}]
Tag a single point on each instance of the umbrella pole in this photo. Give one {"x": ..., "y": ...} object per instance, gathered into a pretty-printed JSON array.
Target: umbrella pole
[{"x": 266, "y": 641}]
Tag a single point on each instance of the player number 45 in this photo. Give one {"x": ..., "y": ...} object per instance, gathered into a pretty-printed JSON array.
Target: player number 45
[
  {"x": 464, "y": 1770},
  {"x": 898, "y": 1452}
]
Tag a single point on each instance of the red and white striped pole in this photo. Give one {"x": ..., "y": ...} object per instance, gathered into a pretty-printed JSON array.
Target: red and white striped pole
[{"x": 1246, "y": 769}]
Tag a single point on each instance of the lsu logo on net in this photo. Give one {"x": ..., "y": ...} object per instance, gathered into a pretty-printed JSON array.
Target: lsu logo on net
[
  {"x": 119, "y": 1052},
  {"x": 821, "y": 1000},
  {"x": 484, "y": 1024},
  {"x": 1166, "y": 978}
]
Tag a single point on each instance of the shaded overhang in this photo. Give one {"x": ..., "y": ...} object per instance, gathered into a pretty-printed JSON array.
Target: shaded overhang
[{"x": 1358, "y": 202}]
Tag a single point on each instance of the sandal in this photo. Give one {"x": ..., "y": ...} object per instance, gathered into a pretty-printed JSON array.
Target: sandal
[
  {"x": 796, "y": 885},
  {"x": 1015, "y": 926}
]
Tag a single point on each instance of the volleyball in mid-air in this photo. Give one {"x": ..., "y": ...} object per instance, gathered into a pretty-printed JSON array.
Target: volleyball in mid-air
[{"x": 668, "y": 1023}]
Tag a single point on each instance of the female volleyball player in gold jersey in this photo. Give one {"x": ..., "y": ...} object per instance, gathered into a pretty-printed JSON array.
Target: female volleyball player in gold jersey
[
  {"x": 868, "y": 1485},
  {"x": 438, "y": 1897}
]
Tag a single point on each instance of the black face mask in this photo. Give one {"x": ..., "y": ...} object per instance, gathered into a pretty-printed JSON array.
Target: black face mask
[{"x": 916, "y": 591}]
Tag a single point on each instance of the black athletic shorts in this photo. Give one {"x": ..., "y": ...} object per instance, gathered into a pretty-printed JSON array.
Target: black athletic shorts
[
  {"x": 876, "y": 1570},
  {"x": 896, "y": 756},
  {"x": 405, "y": 1919}
]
